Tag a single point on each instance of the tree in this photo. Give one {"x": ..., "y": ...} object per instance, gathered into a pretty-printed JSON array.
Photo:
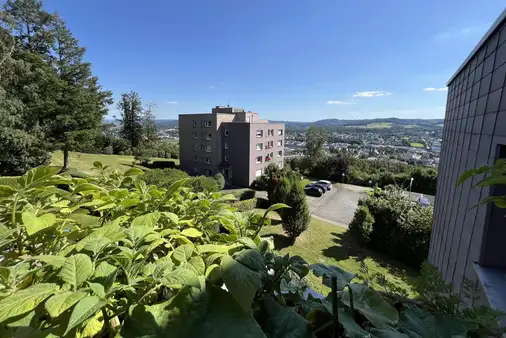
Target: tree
[
  {"x": 315, "y": 139},
  {"x": 296, "y": 218},
  {"x": 82, "y": 103},
  {"x": 131, "y": 117},
  {"x": 220, "y": 180},
  {"x": 149, "y": 130}
]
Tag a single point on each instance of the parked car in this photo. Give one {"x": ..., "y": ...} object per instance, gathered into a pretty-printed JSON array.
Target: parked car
[
  {"x": 313, "y": 191},
  {"x": 326, "y": 184},
  {"x": 319, "y": 186}
]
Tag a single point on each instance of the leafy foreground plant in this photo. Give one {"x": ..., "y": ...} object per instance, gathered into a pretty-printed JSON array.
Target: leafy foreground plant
[{"x": 111, "y": 256}]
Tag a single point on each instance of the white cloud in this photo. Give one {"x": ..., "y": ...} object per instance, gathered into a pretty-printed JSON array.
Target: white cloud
[
  {"x": 432, "y": 89},
  {"x": 340, "y": 102},
  {"x": 172, "y": 102},
  {"x": 371, "y": 94}
]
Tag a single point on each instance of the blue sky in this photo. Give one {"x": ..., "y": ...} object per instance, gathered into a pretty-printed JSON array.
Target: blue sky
[{"x": 298, "y": 60}]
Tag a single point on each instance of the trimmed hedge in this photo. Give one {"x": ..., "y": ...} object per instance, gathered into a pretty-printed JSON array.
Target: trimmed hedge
[{"x": 245, "y": 205}]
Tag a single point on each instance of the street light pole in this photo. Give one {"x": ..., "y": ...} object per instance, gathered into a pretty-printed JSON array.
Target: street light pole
[
  {"x": 342, "y": 178},
  {"x": 410, "y": 184}
]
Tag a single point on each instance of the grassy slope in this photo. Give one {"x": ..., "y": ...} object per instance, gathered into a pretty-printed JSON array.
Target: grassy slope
[
  {"x": 417, "y": 145},
  {"x": 326, "y": 243},
  {"x": 84, "y": 162}
]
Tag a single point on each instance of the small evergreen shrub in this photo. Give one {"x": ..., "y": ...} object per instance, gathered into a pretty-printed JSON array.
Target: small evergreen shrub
[{"x": 362, "y": 224}]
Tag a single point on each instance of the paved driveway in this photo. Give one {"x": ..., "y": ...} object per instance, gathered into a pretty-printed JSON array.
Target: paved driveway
[{"x": 337, "y": 205}]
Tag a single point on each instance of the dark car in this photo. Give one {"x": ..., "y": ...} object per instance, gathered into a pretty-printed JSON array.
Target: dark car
[
  {"x": 313, "y": 191},
  {"x": 322, "y": 187},
  {"x": 326, "y": 184}
]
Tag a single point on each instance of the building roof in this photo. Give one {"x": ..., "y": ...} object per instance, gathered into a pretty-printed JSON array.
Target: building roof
[{"x": 490, "y": 31}]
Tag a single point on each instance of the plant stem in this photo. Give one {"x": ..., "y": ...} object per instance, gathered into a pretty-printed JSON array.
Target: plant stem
[{"x": 335, "y": 314}]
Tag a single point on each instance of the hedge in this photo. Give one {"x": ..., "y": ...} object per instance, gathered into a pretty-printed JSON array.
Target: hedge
[{"x": 245, "y": 205}]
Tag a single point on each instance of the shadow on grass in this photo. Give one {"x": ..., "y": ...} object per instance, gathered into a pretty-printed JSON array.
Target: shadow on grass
[
  {"x": 347, "y": 248},
  {"x": 280, "y": 241}
]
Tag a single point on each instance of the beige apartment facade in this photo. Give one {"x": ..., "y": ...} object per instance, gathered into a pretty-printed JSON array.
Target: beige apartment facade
[{"x": 231, "y": 141}]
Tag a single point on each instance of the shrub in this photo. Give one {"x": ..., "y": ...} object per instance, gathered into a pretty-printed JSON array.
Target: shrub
[
  {"x": 163, "y": 178},
  {"x": 245, "y": 205},
  {"x": 401, "y": 228},
  {"x": 361, "y": 225},
  {"x": 107, "y": 150},
  {"x": 120, "y": 146},
  {"x": 295, "y": 219},
  {"x": 202, "y": 183},
  {"x": 220, "y": 180}
]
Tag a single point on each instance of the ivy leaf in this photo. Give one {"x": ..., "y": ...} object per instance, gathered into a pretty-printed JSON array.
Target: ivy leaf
[
  {"x": 25, "y": 300},
  {"x": 86, "y": 308},
  {"x": 372, "y": 305},
  {"x": 147, "y": 220},
  {"x": 191, "y": 232},
  {"x": 56, "y": 261},
  {"x": 241, "y": 282},
  {"x": 62, "y": 301},
  {"x": 327, "y": 271},
  {"x": 77, "y": 269},
  {"x": 183, "y": 252},
  {"x": 282, "y": 321},
  {"x": 181, "y": 276},
  {"x": 34, "y": 224}
]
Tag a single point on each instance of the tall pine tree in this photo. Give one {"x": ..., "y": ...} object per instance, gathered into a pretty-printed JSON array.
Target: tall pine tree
[{"x": 131, "y": 119}]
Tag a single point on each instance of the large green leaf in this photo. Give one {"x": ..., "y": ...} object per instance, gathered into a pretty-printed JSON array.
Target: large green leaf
[
  {"x": 210, "y": 314},
  {"x": 191, "y": 232},
  {"x": 95, "y": 245},
  {"x": 419, "y": 323},
  {"x": 86, "y": 308},
  {"x": 352, "y": 329},
  {"x": 279, "y": 321},
  {"x": 86, "y": 188},
  {"x": 251, "y": 258},
  {"x": 34, "y": 224},
  {"x": 216, "y": 248},
  {"x": 56, "y": 261},
  {"x": 37, "y": 176},
  {"x": 299, "y": 266},
  {"x": 372, "y": 305},
  {"x": 181, "y": 277},
  {"x": 171, "y": 216},
  {"x": 25, "y": 300},
  {"x": 86, "y": 221},
  {"x": 326, "y": 271},
  {"x": 133, "y": 172},
  {"x": 196, "y": 264},
  {"x": 183, "y": 252},
  {"x": 62, "y": 301},
  {"x": 241, "y": 281},
  {"x": 148, "y": 220},
  {"x": 77, "y": 269},
  {"x": 388, "y": 332},
  {"x": 6, "y": 191}
]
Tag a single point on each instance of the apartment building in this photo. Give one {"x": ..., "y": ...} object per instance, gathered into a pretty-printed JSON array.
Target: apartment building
[
  {"x": 467, "y": 240},
  {"x": 231, "y": 141}
]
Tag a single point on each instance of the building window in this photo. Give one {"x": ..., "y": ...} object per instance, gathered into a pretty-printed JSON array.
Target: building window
[
  {"x": 202, "y": 135},
  {"x": 226, "y": 132},
  {"x": 208, "y": 160},
  {"x": 226, "y": 145},
  {"x": 196, "y": 170},
  {"x": 207, "y": 148},
  {"x": 208, "y": 124},
  {"x": 194, "y": 135},
  {"x": 259, "y": 159},
  {"x": 280, "y": 153},
  {"x": 194, "y": 123},
  {"x": 247, "y": 118},
  {"x": 226, "y": 158},
  {"x": 269, "y": 145},
  {"x": 260, "y": 133},
  {"x": 268, "y": 132},
  {"x": 280, "y": 132},
  {"x": 195, "y": 147},
  {"x": 208, "y": 136},
  {"x": 258, "y": 173},
  {"x": 194, "y": 158},
  {"x": 280, "y": 143},
  {"x": 260, "y": 146}
]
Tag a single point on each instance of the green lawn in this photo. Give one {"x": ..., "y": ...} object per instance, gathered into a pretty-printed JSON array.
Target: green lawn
[
  {"x": 84, "y": 162},
  {"x": 327, "y": 243},
  {"x": 409, "y": 126},
  {"x": 417, "y": 145}
]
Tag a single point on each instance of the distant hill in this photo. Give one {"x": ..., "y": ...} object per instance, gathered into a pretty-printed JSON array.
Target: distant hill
[
  {"x": 381, "y": 123},
  {"x": 332, "y": 124}
]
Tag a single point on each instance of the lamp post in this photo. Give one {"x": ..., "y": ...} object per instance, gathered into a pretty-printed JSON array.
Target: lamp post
[
  {"x": 410, "y": 184},
  {"x": 370, "y": 183},
  {"x": 342, "y": 178}
]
